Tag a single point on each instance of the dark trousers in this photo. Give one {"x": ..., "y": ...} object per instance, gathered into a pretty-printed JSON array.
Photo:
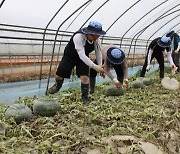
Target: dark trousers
[{"x": 160, "y": 59}]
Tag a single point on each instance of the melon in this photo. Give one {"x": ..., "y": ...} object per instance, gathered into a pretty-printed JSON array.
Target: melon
[
  {"x": 147, "y": 81},
  {"x": 45, "y": 107},
  {"x": 140, "y": 78},
  {"x": 112, "y": 90},
  {"x": 19, "y": 112},
  {"x": 137, "y": 84},
  {"x": 170, "y": 83}
]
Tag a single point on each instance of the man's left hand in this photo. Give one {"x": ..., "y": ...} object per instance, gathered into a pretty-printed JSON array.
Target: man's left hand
[
  {"x": 174, "y": 69},
  {"x": 126, "y": 83}
]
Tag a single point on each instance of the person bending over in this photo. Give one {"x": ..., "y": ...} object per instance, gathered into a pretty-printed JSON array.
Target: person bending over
[
  {"x": 76, "y": 53},
  {"x": 113, "y": 57},
  {"x": 155, "y": 50}
]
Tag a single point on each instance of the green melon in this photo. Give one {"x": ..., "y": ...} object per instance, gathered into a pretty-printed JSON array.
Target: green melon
[
  {"x": 45, "y": 107},
  {"x": 112, "y": 90},
  {"x": 140, "y": 78},
  {"x": 137, "y": 84},
  {"x": 19, "y": 112},
  {"x": 147, "y": 81}
]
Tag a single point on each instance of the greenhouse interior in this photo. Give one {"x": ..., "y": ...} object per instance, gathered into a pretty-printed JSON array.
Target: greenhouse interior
[{"x": 50, "y": 102}]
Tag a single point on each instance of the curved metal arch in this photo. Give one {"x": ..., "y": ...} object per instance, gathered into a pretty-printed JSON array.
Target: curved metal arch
[
  {"x": 142, "y": 30},
  {"x": 2, "y": 3},
  {"x": 42, "y": 51},
  {"x": 56, "y": 39},
  {"x": 159, "y": 18},
  {"x": 162, "y": 27},
  {"x": 91, "y": 14},
  {"x": 94, "y": 13},
  {"x": 86, "y": 20},
  {"x": 175, "y": 26},
  {"x": 141, "y": 19},
  {"x": 69, "y": 26},
  {"x": 121, "y": 16},
  {"x": 178, "y": 31},
  {"x": 79, "y": 14}
]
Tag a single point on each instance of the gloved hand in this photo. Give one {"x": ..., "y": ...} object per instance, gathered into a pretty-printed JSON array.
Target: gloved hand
[
  {"x": 98, "y": 68},
  {"x": 148, "y": 67},
  {"x": 126, "y": 83},
  {"x": 174, "y": 69},
  {"x": 117, "y": 83}
]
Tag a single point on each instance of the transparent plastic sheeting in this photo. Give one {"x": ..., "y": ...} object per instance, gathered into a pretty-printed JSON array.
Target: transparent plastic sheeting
[
  {"x": 124, "y": 17},
  {"x": 10, "y": 92}
]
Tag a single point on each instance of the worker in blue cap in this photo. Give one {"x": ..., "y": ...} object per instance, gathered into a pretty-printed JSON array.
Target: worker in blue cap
[
  {"x": 155, "y": 50},
  {"x": 175, "y": 47},
  {"x": 113, "y": 58},
  {"x": 76, "y": 54}
]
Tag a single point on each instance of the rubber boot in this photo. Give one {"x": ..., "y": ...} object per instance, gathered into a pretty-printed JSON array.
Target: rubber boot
[
  {"x": 56, "y": 87},
  {"x": 161, "y": 74},
  {"x": 92, "y": 82},
  {"x": 84, "y": 91}
]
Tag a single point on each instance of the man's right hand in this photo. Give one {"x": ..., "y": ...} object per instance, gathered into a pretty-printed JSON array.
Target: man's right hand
[
  {"x": 174, "y": 69},
  {"x": 117, "y": 83},
  {"x": 148, "y": 67},
  {"x": 126, "y": 83},
  {"x": 98, "y": 68}
]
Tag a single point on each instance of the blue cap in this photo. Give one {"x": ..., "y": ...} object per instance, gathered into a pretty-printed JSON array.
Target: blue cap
[
  {"x": 94, "y": 28},
  {"x": 115, "y": 56},
  {"x": 164, "y": 42},
  {"x": 116, "y": 53}
]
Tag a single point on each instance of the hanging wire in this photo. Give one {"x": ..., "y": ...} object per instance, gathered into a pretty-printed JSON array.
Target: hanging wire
[
  {"x": 42, "y": 54},
  {"x": 56, "y": 39}
]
